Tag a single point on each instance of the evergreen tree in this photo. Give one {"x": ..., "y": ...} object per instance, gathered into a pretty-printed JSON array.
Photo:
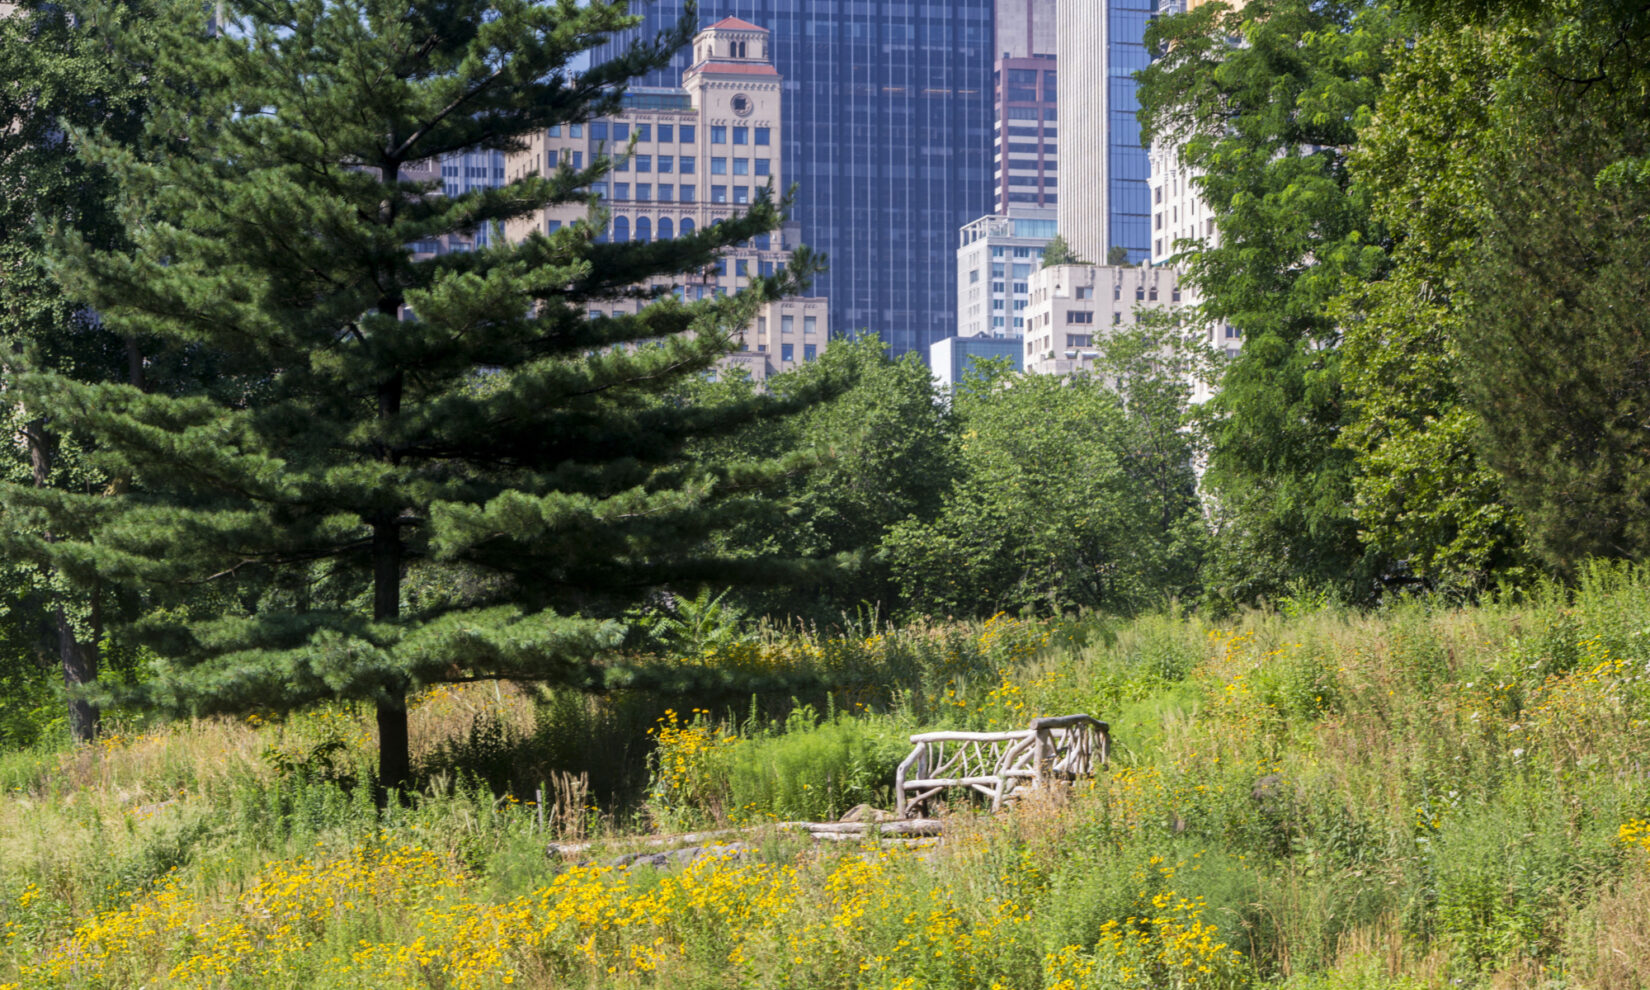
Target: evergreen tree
[
  {"x": 429, "y": 469},
  {"x": 1059, "y": 252}
]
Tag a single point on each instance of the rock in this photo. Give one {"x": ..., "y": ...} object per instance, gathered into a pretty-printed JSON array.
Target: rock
[{"x": 866, "y": 813}]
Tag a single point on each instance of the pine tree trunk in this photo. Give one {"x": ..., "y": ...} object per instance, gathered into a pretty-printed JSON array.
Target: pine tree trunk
[
  {"x": 79, "y": 669},
  {"x": 79, "y": 660},
  {"x": 394, "y": 755},
  {"x": 394, "y": 758}
]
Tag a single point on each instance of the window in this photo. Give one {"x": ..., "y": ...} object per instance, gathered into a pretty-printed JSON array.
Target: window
[
  {"x": 644, "y": 228},
  {"x": 1233, "y": 333},
  {"x": 552, "y": 226},
  {"x": 718, "y": 134},
  {"x": 787, "y": 325},
  {"x": 621, "y": 131},
  {"x": 1022, "y": 271},
  {"x": 741, "y": 194},
  {"x": 1079, "y": 316},
  {"x": 1079, "y": 340},
  {"x": 665, "y": 132},
  {"x": 741, "y": 135},
  {"x": 973, "y": 276},
  {"x": 578, "y": 159},
  {"x": 999, "y": 286},
  {"x": 644, "y": 192},
  {"x": 1085, "y": 292},
  {"x": 764, "y": 241},
  {"x": 787, "y": 352},
  {"x": 722, "y": 266},
  {"x": 664, "y": 229},
  {"x": 644, "y": 163},
  {"x": 687, "y": 225},
  {"x": 1021, "y": 252},
  {"x": 809, "y": 352},
  {"x": 762, "y": 135},
  {"x": 718, "y": 194},
  {"x": 997, "y": 251},
  {"x": 810, "y": 326},
  {"x": 1021, "y": 288},
  {"x": 998, "y": 270},
  {"x": 621, "y": 190},
  {"x": 1116, "y": 318},
  {"x": 1159, "y": 195},
  {"x": 666, "y": 192},
  {"x": 1160, "y": 245},
  {"x": 742, "y": 267},
  {"x": 644, "y": 132},
  {"x": 598, "y": 130},
  {"x": 1174, "y": 296},
  {"x": 555, "y": 130},
  {"x": 997, "y": 321},
  {"x": 1152, "y": 295},
  {"x": 686, "y": 195},
  {"x": 576, "y": 130},
  {"x": 997, "y": 304},
  {"x": 600, "y": 189},
  {"x": 1140, "y": 294},
  {"x": 690, "y": 164},
  {"x": 621, "y": 164},
  {"x": 766, "y": 268},
  {"x": 685, "y": 133},
  {"x": 762, "y": 166},
  {"x": 667, "y": 163},
  {"x": 718, "y": 166},
  {"x": 741, "y": 166},
  {"x": 621, "y": 229}
]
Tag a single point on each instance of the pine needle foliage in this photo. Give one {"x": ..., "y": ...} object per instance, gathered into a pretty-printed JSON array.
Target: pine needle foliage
[{"x": 403, "y": 469}]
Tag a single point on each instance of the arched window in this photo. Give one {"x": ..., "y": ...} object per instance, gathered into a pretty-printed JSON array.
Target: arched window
[
  {"x": 664, "y": 229},
  {"x": 687, "y": 226},
  {"x": 644, "y": 229},
  {"x": 621, "y": 228}
]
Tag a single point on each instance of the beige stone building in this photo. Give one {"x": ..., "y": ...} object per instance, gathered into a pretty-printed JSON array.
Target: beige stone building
[
  {"x": 686, "y": 158},
  {"x": 1075, "y": 306}
]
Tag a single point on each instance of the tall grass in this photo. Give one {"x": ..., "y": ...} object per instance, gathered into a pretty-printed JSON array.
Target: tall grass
[{"x": 1418, "y": 797}]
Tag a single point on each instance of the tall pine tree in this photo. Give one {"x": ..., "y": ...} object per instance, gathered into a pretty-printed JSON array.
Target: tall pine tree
[{"x": 430, "y": 469}]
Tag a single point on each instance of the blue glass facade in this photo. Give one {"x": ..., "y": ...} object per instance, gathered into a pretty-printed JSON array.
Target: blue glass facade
[
  {"x": 1129, "y": 199},
  {"x": 887, "y": 133}
]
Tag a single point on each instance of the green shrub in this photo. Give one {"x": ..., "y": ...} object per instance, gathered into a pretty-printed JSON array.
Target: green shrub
[{"x": 812, "y": 770}]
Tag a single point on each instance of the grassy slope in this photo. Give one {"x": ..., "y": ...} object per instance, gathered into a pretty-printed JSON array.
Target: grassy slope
[{"x": 1418, "y": 797}]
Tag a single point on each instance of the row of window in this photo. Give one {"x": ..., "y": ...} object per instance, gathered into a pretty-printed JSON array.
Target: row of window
[{"x": 602, "y": 130}]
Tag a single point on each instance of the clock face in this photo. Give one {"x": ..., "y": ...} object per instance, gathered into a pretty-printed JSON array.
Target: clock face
[{"x": 742, "y": 104}]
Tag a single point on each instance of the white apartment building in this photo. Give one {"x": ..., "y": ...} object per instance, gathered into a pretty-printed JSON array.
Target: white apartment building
[
  {"x": 995, "y": 258},
  {"x": 1075, "y": 306},
  {"x": 687, "y": 158}
]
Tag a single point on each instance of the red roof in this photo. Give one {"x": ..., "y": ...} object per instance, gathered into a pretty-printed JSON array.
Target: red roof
[
  {"x": 736, "y": 68},
  {"x": 737, "y": 25}
]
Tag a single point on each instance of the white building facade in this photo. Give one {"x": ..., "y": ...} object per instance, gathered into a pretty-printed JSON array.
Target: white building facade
[
  {"x": 1074, "y": 307},
  {"x": 996, "y": 256}
]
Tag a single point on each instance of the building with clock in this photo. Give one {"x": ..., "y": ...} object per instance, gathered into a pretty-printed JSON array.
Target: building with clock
[{"x": 690, "y": 156}]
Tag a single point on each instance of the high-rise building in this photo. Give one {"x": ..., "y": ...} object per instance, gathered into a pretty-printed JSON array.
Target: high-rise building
[
  {"x": 686, "y": 158},
  {"x": 1025, "y": 133},
  {"x": 995, "y": 258},
  {"x": 1024, "y": 107},
  {"x": 1104, "y": 202},
  {"x": 887, "y": 134}
]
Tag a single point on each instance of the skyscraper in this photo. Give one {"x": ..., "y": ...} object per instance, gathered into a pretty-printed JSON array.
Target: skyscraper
[
  {"x": 887, "y": 134},
  {"x": 1104, "y": 200}
]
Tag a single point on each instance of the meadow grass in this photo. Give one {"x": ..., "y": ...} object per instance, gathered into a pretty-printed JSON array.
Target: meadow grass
[{"x": 1421, "y": 796}]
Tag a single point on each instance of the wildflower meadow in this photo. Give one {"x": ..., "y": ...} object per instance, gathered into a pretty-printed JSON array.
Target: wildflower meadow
[{"x": 1299, "y": 797}]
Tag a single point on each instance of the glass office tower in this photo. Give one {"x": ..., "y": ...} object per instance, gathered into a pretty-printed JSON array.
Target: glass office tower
[
  {"x": 1104, "y": 200},
  {"x": 887, "y": 133}
]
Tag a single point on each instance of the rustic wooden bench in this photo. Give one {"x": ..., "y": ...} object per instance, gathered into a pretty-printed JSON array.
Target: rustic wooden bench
[{"x": 1062, "y": 747}]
